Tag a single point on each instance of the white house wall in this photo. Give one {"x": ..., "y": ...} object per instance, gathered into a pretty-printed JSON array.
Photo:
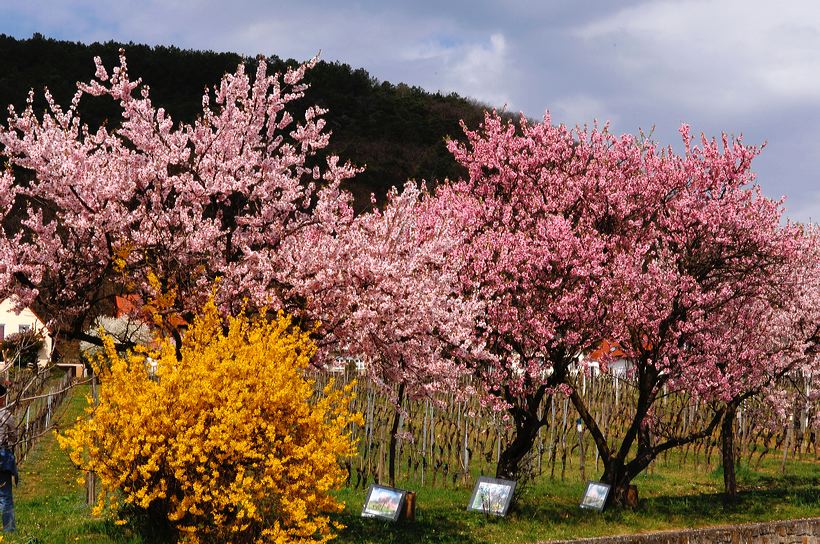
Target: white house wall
[{"x": 12, "y": 321}]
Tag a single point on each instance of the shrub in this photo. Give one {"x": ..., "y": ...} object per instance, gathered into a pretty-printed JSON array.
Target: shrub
[
  {"x": 25, "y": 345},
  {"x": 228, "y": 444}
]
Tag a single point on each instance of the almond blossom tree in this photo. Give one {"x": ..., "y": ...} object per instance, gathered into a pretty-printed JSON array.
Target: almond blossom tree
[
  {"x": 536, "y": 218},
  {"x": 385, "y": 289},
  {"x": 160, "y": 209},
  {"x": 576, "y": 236},
  {"x": 767, "y": 339},
  {"x": 706, "y": 241}
]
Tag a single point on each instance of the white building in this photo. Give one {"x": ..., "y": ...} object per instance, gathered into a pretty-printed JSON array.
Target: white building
[{"x": 13, "y": 323}]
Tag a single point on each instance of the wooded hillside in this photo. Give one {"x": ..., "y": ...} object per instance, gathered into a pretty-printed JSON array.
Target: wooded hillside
[{"x": 395, "y": 130}]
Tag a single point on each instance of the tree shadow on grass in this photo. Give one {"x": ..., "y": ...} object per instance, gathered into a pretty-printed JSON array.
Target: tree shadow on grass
[
  {"x": 441, "y": 517},
  {"x": 755, "y": 499},
  {"x": 759, "y": 499},
  {"x": 553, "y": 513},
  {"x": 562, "y": 518},
  {"x": 90, "y": 531},
  {"x": 428, "y": 528}
]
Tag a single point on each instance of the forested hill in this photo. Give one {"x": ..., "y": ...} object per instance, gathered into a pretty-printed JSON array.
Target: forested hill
[{"x": 397, "y": 131}]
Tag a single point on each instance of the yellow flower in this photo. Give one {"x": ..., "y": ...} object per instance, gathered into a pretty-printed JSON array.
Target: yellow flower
[{"x": 228, "y": 443}]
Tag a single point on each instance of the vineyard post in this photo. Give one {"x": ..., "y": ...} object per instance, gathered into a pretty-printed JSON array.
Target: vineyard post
[
  {"x": 432, "y": 426},
  {"x": 466, "y": 448},
  {"x": 48, "y": 412},
  {"x": 580, "y": 428},
  {"x": 745, "y": 432},
  {"x": 369, "y": 430},
  {"x": 497, "y": 442},
  {"x": 424, "y": 440},
  {"x": 91, "y": 476},
  {"x": 787, "y": 444},
  {"x": 564, "y": 440},
  {"x": 540, "y": 438}
]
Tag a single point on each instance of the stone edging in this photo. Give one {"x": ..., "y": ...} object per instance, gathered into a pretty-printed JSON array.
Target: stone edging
[{"x": 794, "y": 531}]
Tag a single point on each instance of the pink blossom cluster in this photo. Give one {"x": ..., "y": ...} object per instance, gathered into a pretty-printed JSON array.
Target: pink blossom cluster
[
  {"x": 557, "y": 240},
  {"x": 188, "y": 203},
  {"x": 385, "y": 288},
  {"x": 578, "y": 238}
]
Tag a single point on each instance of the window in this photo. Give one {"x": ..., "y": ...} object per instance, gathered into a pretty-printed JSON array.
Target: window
[
  {"x": 24, "y": 328},
  {"x": 2, "y": 331}
]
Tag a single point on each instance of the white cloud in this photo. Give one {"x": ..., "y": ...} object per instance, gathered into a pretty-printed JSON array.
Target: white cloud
[
  {"x": 730, "y": 56},
  {"x": 481, "y": 70}
]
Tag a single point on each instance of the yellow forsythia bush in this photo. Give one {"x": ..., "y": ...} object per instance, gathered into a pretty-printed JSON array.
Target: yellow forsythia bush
[{"x": 230, "y": 444}]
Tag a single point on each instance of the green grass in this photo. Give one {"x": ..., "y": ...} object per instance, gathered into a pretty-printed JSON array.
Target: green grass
[
  {"x": 671, "y": 497},
  {"x": 50, "y": 504}
]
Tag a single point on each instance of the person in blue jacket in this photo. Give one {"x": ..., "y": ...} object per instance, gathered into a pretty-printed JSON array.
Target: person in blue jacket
[{"x": 8, "y": 464}]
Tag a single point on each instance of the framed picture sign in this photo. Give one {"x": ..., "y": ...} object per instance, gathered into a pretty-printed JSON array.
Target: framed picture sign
[
  {"x": 383, "y": 502},
  {"x": 595, "y": 496},
  {"x": 492, "y": 496}
]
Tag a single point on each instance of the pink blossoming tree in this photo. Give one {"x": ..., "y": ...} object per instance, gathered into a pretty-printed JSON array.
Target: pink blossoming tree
[
  {"x": 576, "y": 236},
  {"x": 535, "y": 217},
  {"x": 160, "y": 209},
  {"x": 385, "y": 290},
  {"x": 706, "y": 241},
  {"x": 767, "y": 340}
]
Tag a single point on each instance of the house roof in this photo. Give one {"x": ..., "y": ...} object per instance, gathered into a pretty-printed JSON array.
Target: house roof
[{"x": 607, "y": 348}]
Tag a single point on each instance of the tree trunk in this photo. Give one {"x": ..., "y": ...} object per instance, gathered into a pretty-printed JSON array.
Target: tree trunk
[
  {"x": 616, "y": 475},
  {"x": 526, "y": 433},
  {"x": 391, "y": 458},
  {"x": 727, "y": 442}
]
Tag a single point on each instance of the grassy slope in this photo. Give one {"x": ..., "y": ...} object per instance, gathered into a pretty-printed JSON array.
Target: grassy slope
[
  {"x": 51, "y": 505},
  {"x": 49, "y": 502}
]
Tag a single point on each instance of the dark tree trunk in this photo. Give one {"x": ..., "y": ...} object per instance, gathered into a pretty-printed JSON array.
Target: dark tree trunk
[
  {"x": 727, "y": 442},
  {"x": 619, "y": 478},
  {"x": 617, "y": 472},
  {"x": 526, "y": 433},
  {"x": 524, "y": 412},
  {"x": 391, "y": 457}
]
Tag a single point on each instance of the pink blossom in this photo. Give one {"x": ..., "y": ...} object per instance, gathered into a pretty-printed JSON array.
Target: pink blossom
[{"x": 217, "y": 198}]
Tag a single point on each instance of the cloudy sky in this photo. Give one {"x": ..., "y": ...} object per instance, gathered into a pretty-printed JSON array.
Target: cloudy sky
[{"x": 749, "y": 67}]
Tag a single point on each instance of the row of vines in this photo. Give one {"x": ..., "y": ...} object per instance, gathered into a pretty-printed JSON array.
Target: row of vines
[
  {"x": 34, "y": 400},
  {"x": 445, "y": 441}
]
